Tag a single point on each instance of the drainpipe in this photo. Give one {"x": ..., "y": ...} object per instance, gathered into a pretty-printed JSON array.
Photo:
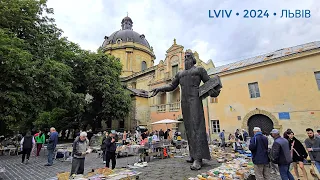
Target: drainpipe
[{"x": 208, "y": 120}]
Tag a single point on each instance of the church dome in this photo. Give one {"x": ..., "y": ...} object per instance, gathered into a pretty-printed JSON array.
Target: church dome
[{"x": 126, "y": 34}]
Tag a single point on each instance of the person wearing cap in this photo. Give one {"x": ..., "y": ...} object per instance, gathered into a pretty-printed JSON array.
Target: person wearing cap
[
  {"x": 273, "y": 166},
  {"x": 280, "y": 154},
  {"x": 80, "y": 149},
  {"x": 259, "y": 149}
]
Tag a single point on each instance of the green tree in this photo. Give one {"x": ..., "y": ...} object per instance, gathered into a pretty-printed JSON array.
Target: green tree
[
  {"x": 45, "y": 78},
  {"x": 98, "y": 76}
]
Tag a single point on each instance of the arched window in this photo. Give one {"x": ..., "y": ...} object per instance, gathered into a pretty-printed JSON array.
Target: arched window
[{"x": 143, "y": 66}]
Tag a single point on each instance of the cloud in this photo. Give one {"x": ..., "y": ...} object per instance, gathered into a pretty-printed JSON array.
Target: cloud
[
  {"x": 224, "y": 40},
  {"x": 203, "y": 48}
]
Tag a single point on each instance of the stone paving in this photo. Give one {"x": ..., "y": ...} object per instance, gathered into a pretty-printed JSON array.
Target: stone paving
[{"x": 160, "y": 169}]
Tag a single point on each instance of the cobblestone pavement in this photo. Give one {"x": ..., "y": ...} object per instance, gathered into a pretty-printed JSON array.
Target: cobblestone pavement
[{"x": 160, "y": 169}]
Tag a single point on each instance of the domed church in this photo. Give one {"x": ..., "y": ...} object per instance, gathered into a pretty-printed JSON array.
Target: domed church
[
  {"x": 141, "y": 75},
  {"x": 132, "y": 48}
]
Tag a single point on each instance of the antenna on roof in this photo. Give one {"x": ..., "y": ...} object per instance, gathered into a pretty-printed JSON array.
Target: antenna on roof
[{"x": 127, "y": 14}]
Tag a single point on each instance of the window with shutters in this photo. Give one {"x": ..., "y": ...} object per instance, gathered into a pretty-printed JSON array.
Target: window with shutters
[
  {"x": 254, "y": 90},
  {"x": 317, "y": 75},
  {"x": 215, "y": 126}
]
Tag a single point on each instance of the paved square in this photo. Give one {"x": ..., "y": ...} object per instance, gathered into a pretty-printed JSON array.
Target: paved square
[{"x": 160, "y": 169}]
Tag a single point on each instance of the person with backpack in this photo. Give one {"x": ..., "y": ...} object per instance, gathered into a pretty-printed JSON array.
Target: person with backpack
[
  {"x": 298, "y": 154},
  {"x": 259, "y": 149},
  {"x": 27, "y": 143},
  {"x": 274, "y": 167},
  {"x": 40, "y": 140}
]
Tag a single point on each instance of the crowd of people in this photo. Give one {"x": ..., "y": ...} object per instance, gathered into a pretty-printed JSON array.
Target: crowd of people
[
  {"x": 272, "y": 153},
  {"x": 270, "y": 149},
  {"x": 81, "y": 145}
]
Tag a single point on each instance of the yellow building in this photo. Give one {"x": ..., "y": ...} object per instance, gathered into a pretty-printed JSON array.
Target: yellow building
[
  {"x": 276, "y": 90},
  {"x": 140, "y": 75},
  {"x": 137, "y": 58},
  {"x": 130, "y": 47}
]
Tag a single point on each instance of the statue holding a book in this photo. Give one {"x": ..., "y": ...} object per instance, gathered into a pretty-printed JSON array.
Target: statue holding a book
[{"x": 192, "y": 108}]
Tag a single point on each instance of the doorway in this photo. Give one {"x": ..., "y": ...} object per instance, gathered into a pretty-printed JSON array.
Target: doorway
[{"x": 261, "y": 121}]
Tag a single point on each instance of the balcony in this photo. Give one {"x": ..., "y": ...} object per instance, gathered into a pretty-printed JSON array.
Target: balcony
[
  {"x": 174, "y": 106},
  {"x": 161, "y": 108},
  {"x": 168, "y": 107}
]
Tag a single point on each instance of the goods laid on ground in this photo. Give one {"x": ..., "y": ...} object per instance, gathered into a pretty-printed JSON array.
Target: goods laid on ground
[
  {"x": 234, "y": 166},
  {"x": 100, "y": 174},
  {"x": 238, "y": 168}
]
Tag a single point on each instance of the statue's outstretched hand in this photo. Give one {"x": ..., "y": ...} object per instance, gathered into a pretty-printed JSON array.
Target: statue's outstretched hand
[
  {"x": 214, "y": 93},
  {"x": 154, "y": 91}
]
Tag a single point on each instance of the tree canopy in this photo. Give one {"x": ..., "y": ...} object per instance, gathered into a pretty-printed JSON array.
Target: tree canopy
[{"x": 47, "y": 80}]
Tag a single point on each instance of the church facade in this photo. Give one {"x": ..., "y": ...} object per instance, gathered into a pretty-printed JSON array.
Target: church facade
[{"x": 276, "y": 90}]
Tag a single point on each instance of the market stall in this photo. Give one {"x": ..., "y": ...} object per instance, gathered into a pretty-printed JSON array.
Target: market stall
[{"x": 127, "y": 150}]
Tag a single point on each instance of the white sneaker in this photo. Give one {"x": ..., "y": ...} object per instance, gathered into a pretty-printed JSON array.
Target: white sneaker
[
  {"x": 104, "y": 162},
  {"x": 272, "y": 172}
]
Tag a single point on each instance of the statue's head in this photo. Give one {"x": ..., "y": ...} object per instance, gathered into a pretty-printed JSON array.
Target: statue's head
[{"x": 189, "y": 60}]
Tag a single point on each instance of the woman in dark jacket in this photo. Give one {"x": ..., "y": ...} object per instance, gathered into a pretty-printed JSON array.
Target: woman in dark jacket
[
  {"x": 298, "y": 153},
  {"x": 104, "y": 146}
]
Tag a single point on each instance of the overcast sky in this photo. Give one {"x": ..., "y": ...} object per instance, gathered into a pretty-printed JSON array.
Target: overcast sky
[{"x": 224, "y": 40}]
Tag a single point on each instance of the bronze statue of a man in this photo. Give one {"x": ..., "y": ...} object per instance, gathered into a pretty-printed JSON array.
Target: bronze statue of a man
[{"x": 192, "y": 108}]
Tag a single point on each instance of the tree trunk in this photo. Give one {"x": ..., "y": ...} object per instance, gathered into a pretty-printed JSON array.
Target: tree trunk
[{"x": 109, "y": 123}]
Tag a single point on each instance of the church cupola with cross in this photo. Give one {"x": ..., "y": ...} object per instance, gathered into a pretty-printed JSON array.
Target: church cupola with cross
[
  {"x": 126, "y": 23},
  {"x": 132, "y": 48}
]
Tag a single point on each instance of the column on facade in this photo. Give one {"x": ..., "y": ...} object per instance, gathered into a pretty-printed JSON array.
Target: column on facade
[
  {"x": 130, "y": 60},
  {"x": 158, "y": 99},
  {"x": 169, "y": 100},
  {"x": 127, "y": 60}
]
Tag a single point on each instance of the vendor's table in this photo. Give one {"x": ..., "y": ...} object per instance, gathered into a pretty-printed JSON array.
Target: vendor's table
[{"x": 11, "y": 150}]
